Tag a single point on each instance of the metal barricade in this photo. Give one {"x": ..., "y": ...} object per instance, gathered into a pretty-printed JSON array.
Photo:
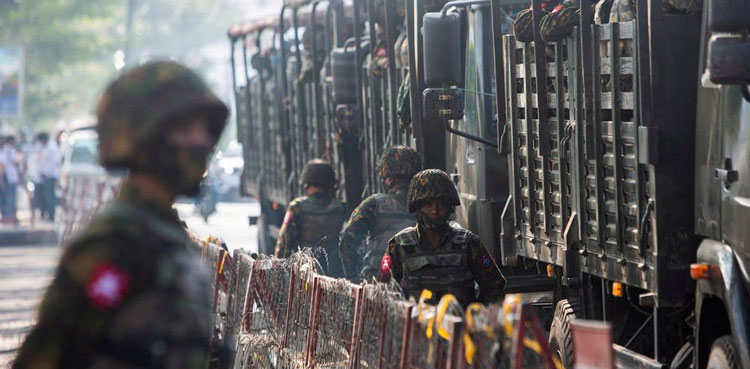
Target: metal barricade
[
  {"x": 382, "y": 321},
  {"x": 335, "y": 304}
]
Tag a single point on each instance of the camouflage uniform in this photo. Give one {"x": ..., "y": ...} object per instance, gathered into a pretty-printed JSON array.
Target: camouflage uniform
[
  {"x": 314, "y": 220},
  {"x": 557, "y": 24},
  {"x": 452, "y": 265},
  {"x": 622, "y": 11},
  {"x": 523, "y": 26},
  {"x": 379, "y": 61},
  {"x": 403, "y": 109},
  {"x": 379, "y": 216},
  {"x": 129, "y": 290}
]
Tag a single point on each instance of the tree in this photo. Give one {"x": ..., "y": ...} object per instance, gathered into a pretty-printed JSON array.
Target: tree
[{"x": 68, "y": 47}]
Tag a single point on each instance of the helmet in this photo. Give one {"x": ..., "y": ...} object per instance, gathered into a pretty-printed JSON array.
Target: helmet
[
  {"x": 138, "y": 107},
  {"x": 432, "y": 184},
  {"x": 318, "y": 172},
  {"x": 398, "y": 161}
]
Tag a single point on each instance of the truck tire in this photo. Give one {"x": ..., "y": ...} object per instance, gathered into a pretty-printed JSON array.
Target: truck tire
[
  {"x": 560, "y": 335},
  {"x": 723, "y": 354}
]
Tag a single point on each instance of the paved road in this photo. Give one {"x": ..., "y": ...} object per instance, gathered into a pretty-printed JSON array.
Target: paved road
[
  {"x": 25, "y": 272},
  {"x": 230, "y": 222}
]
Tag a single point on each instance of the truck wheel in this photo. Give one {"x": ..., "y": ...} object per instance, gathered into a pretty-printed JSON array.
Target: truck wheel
[
  {"x": 723, "y": 354},
  {"x": 560, "y": 335}
]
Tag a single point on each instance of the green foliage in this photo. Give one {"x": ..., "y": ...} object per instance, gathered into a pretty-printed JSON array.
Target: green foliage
[{"x": 68, "y": 46}]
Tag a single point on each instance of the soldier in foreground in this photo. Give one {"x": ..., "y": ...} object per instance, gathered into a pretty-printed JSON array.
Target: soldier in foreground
[
  {"x": 437, "y": 254},
  {"x": 314, "y": 220},
  {"x": 129, "y": 290},
  {"x": 381, "y": 215}
]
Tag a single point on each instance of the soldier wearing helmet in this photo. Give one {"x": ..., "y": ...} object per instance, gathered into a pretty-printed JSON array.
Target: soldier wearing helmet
[
  {"x": 436, "y": 254},
  {"x": 314, "y": 220},
  {"x": 381, "y": 215},
  {"x": 129, "y": 290}
]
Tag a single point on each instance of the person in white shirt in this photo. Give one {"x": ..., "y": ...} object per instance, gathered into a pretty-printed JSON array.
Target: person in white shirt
[
  {"x": 9, "y": 159},
  {"x": 49, "y": 170},
  {"x": 33, "y": 161}
]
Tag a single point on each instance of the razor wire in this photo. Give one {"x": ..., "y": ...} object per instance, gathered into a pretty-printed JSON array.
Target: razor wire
[
  {"x": 283, "y": 314},
  {"x": 335, "y": 306}
]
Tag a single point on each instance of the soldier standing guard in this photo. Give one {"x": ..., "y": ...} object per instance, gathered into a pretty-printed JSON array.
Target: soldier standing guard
[
  {"x": 129, "y": 291},
  {"x": 436, "y": 254},
  {"x": 314, "y": 220},
  {"x": 381, "y": 215}
]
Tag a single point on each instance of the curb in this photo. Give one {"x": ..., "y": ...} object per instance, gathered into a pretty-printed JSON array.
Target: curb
[{"x": 22, "y": 237}]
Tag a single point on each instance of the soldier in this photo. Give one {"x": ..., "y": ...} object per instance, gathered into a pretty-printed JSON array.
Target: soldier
[
  {"x": 314, "y": 220},
  {"x": 436, "y": 254},
  {"x": 557, "y": 24},
  {"x": 129, "y": 290},
  {"x": 523, "y": 26},
  {"x": 381, "y": 215}
]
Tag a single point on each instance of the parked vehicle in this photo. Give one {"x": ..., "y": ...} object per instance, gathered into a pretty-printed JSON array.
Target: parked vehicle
[{"x": 622, "y": 189}]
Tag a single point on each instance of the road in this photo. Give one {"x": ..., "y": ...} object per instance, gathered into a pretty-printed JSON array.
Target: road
[
  {"x": 230, "y": 222},
  {"x": 25, "y": 272}
]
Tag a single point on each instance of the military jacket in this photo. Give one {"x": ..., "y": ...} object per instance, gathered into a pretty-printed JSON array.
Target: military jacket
[
  {"x": 452, "y": 267},
  {"x": 379, "y": 217},
  {"x": 313, "y": 221},
  {"x": 129, "y": 293}
]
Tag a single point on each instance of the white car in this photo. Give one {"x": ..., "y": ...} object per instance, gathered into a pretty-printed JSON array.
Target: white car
[
  {"x": 80, "y": 154},
  {"x": 225, "y": 168}
]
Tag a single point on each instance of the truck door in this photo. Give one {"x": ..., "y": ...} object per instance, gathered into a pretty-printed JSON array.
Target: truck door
[{"x": 734, "y": 174}]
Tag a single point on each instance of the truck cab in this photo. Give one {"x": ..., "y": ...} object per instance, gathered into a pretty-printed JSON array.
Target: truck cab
[{"x": 722, "y": 201}]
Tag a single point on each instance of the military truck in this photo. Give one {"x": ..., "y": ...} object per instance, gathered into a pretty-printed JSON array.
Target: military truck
[
  {"x": 611, "y": 188},
  {"x": 336, "y": 96},
  {"x": 622, "y": 192}
]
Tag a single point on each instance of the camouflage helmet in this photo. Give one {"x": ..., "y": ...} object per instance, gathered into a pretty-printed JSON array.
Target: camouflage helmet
[
  {"x": 318, "y": 172},
  {"x": 432, "y": 184},
  {"x": 139, "y": 106},
  {"x": 398, "y": 161}
]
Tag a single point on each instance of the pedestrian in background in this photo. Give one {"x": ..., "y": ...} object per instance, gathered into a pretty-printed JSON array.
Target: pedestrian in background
[
  {"x": 49, "y": 170},
  {"x": 33, "y": 162},
  {"x": 10, "y": 160}
]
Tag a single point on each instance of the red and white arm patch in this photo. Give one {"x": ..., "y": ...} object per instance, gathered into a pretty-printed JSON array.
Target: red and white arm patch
[
  {"x": 385, "y": 264},
  {"x": 107, "y": 286}
]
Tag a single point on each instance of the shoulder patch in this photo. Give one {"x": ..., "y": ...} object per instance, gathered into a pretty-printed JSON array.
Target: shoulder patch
[
  {"x": 485, "y": 262},
  {"x": 107, "y": 286},
  {"x": 407, "y": 237}
]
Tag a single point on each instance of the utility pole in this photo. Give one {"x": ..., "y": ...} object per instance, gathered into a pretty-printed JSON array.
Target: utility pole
[{"x": 129, "y": 31}]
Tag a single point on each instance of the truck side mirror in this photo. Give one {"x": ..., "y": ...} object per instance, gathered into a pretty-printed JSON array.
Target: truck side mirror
[
  {"x": 728, "y": 15},
  {"x": 729, "y": 59},
  {"x": 343, "y": 77},
  {"x": 442, "y": 49}
]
